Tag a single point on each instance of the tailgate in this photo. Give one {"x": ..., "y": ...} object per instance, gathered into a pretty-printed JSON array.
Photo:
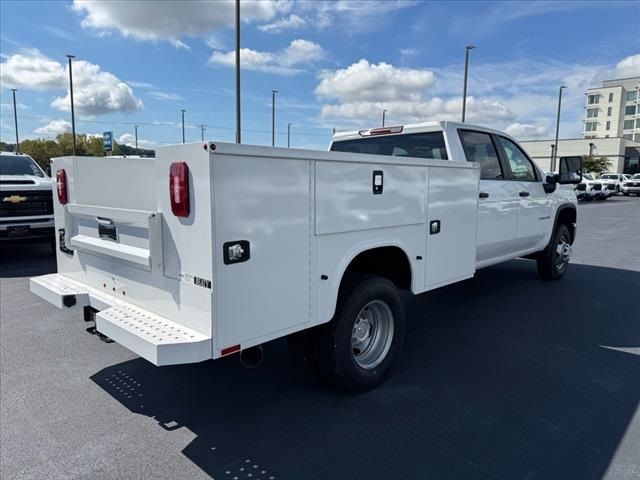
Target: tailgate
[{"x": 119, "y": 240}]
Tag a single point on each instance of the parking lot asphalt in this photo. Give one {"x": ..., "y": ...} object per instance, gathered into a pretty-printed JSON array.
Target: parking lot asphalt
[{"x": 502, "y": 377}]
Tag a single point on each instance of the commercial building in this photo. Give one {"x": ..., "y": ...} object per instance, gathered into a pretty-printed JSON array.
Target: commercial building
[
  {"x": 623, "y": 153},
  {"x": 613, "y": 110}
]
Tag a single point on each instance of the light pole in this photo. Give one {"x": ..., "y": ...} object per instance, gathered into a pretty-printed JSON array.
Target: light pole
[
  {"x": 15, "y": 118},
  {"x": 136, "y": 130},
  {"x": 273, "y": 117},
  {"x": 202, "y": 129},
  {"x": 183, "y": 110},
  {"x": 591, "y": 145},
  {"x": 288, "y": 135},
  {"x": 466, "y": 71},
  {"x": 555, "y": 153},
  {"x": 238, "y": 123},
  {"x": 383, "y": 116},
  {"x": 73, "y": 116}
]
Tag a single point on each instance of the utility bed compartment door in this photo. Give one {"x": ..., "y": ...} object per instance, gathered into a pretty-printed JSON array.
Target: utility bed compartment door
[
  {"x": 452, "y": 215},
  {"x": 359, "y": 196}
]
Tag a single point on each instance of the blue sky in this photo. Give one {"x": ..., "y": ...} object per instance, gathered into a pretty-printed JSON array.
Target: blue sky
[{"x": 334, "y": 64}]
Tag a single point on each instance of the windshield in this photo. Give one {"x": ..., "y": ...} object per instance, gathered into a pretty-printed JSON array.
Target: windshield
[
  {"x": 636, "y": 176},
  {"x": 587, "y": 176},
  {"x": 611, "y": 177},
  {"x": 421, "y": 145},
  {"x": 16, "y": 165}
]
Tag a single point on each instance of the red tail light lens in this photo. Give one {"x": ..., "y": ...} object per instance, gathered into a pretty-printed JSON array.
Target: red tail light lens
[
  {"x": 61, "y": 182},
  {"x": 179, "y": 189}
]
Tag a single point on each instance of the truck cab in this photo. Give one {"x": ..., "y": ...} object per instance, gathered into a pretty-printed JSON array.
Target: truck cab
[
  {"x": 26, "y": 200},
  {"x": 517, "y": 201}
]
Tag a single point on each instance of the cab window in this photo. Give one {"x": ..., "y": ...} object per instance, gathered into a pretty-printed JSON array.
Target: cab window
[
  {"x": 479, "y": 148},
  {"x": 420, "y": 145},
  {"x": 522, "y": 169}
]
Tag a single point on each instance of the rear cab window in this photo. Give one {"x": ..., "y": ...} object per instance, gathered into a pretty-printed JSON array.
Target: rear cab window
[{"x": 419, "y": 145}]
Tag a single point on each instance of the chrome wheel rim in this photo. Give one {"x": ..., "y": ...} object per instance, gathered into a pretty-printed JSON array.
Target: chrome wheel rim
[
  {"x": 372, "y": 334},
  {"x": 563, "y": 253}
]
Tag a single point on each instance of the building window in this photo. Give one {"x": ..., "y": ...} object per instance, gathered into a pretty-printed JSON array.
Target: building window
[
  {"x": 608, "y": 125},
  {"x": 590, "y": 126},
  {"x": 636, "y": 137},
  {"x": 592, "y": 112},
  {"x": 628, "y": 124},
  {"x": 609, "y": 112},
  {"x": 632, "y": 95},
  {"x": 638, "y": 123},
  {"x": 611, "y": 97},
  {"x": 589, "y": 136},
  {"x": 606, "y": 136},
  {"x": 630, "y": 110},
  {"x": 593, "y": 99},
  {"x": 628, "y": 136}
]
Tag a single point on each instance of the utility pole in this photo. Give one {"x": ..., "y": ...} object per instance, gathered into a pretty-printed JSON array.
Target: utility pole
[
  {"x": 383, "y": 116},
  {"x": 238, "y": 123},
  {"x": 73, "y": 116},
  {"x": 288, "y": 135},
  {"x": 183, "y": 110},
  {"x": 555, "y": 153},
  {"x": 15, "y": 118},
  {"x": 273, "y": 117},
  {"x": 466, "y": 71},
  {"x": 136, "y": 130},
  {"x": 202, "y": 129}
]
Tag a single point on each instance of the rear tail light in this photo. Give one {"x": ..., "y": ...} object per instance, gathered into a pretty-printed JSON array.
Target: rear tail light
[
  {"x": 381, "y": 131},
  {"x": 179, "y": 189},
  {"x": 61, "y": 182}
]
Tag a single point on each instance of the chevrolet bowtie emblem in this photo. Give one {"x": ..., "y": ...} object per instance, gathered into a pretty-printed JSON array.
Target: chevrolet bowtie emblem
[{"x": 14, "y": 199}]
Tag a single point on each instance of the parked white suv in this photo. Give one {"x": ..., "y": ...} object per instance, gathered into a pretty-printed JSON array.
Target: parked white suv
[
  {"x": 631, "y": 186},
  {"x": 590, "y": 189},
  {"x": 612, "y": 182},
  {"x": 26, "y": 200}
]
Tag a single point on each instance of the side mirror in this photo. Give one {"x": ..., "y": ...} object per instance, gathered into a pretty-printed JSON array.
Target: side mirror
[{"x": 570, "y": 170}]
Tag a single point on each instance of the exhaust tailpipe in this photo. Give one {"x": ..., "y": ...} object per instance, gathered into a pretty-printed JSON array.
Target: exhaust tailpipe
[{"x": 252, "y": 357}]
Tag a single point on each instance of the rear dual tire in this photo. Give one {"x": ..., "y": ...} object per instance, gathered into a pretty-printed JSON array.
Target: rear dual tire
[{"x": 356, "y": 349}]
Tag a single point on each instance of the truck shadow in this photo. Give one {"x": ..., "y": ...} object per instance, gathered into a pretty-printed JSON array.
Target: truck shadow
[
  {"x": 26, "y": 260},
  {"x": 502, "y": 376}
]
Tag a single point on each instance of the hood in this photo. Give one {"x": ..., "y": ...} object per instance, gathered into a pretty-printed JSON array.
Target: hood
[{"x": 25, "y": 182}]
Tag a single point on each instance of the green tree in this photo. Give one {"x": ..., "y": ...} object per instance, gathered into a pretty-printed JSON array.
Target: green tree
[{"x": 594, "y": 165}]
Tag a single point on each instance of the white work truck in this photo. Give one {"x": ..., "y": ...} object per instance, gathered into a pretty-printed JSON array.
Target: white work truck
[{"x": 212, "y": 248}]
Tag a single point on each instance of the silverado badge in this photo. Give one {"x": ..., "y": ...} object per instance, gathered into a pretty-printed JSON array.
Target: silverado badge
[{"x": 14, "y": 199}]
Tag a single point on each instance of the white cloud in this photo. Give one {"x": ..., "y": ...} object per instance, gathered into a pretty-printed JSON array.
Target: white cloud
[
  {"x": 284, "y": 62},
  {"x": 165, "y": 96},
  {"x": 135, "y": 84},
  {"x": 171, "y": 20},
  {"x": 627, "y": 67},
  {"x": 293, "y": 22},
  {"x": 359, "y": 15},
  {"x": 527, "y": 131},
  {"x": 364, "y": 81},
  {"x": 54, "y": 127},
  {"x": 130, "y": 140},
  {"x": 95, "y": 91}
]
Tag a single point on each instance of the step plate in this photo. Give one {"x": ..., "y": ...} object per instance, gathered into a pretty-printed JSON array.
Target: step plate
[
  {"x": 155, "y": 338},
  {"x": 60, "y": 291}
]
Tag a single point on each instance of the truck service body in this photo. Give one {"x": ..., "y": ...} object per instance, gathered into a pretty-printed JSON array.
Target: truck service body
[{"x": 212, "y": 248}]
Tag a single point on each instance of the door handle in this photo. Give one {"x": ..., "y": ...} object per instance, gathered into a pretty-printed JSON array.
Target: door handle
[
  {"x": 483, "y": 195},
  {"x": 524, "y": 194}
]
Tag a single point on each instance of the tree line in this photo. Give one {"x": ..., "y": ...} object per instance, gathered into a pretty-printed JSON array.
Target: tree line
[{"x": 43, "y": 150}]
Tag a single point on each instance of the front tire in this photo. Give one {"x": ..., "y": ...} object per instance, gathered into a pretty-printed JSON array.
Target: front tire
[
  {"x": 356, "y": 348},
  {"x": 553, "y": 261}
]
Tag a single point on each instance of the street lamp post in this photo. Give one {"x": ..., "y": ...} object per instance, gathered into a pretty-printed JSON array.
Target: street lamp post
[
  {"x": 238, "y": 123},
  {"x": 466, "y": 71},
  {"x": 202, "y": 129},
  {"x": 383, "y": 116},
  {"x": 136, "y": 130},
  {"x": 73, "y": 116},
  {"x": 288, "y": 135},
  {"x": 555, "y": 153},
  {"x": 591, "y": 145},
  {"x": 183, "y": 110},
  {"x": 15, "y": 119},
  {"x": 273, "y": 117}
]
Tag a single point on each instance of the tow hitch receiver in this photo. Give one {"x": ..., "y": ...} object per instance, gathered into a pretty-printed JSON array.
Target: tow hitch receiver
[{"x": 90, "y": 316}]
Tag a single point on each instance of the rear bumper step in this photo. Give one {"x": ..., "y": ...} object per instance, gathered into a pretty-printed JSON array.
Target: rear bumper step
[{"x": 155, "y": 338}]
